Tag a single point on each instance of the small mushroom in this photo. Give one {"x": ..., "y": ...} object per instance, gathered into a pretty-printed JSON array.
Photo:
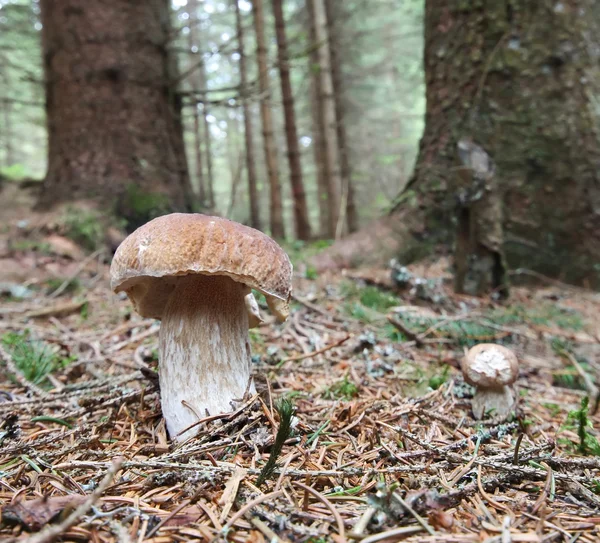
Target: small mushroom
[
  {"x": 491, "y": 369},
  {"x": 195, "y": 273}
]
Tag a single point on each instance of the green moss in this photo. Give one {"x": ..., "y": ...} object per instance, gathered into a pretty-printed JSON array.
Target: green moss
[
  {"x": 31, "y": 245},
  {"x": 83, "y": 227},
  {"x": 137, "y": 206},
  {"x": 344, "y": 389},
  {"x": 368, "y": 303},
  {"x": 545, "y": 314}
]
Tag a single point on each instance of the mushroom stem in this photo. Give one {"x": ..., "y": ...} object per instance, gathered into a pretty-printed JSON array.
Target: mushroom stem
[
  {"x": 204, "y": 351},
  {"x": 498, "y": 402}
]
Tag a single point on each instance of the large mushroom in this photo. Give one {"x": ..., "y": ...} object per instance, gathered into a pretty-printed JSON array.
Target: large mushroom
[
  {"x": 195, "y": 273},
  {"x": 491, "y": 369}
]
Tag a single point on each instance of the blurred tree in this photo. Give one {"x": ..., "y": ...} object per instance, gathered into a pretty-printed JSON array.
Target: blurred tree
[
  {"x": 248, "y": 133},
  {"x": 22, "y": 120},
  {"x": 327, "y": 123},
  {"x": 113, "y": 119},
  {"x": 6, "y": 131},
  {"x": 196, "y": 81},
  {"x": 276, "y": 206},
  {"x": 334, "y": 10},
  {"x": 318, "y": 125},
  {"x": 514, "y": 78},
  {"x": 301, "y": 223},
  {"x": 203, "y": 83}
]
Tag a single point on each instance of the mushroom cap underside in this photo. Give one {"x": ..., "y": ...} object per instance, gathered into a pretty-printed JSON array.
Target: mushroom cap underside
[{"x": 148, "y": 263}]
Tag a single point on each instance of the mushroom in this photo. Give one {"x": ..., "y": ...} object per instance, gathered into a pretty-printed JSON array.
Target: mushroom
[
  {"x": 195, "y": 273},
  {"x": 491, "y": 369}
]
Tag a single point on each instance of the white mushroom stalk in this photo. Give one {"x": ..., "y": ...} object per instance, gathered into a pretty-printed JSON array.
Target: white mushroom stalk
[
  {"x": 196, "y": 273},
  {"x": 204, "y": 351}
]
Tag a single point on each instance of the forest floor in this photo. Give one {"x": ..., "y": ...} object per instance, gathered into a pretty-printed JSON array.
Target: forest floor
[{"x": 384, "y": 446}]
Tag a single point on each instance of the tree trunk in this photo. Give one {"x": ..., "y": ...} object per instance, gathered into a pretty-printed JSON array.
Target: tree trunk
[
  {"x": 276, "y": 206},
  {"x": 194, "y": 44},
  {"x": 334, "y": 14},
  {"x": 318, "y": 126},
  {"x": 235, "y": 157},
  {"x": 513, "y": 77},
  {"x": 328, "y": 122},
  {"x": 248, "y": 133},
  {"x": 6, "y": 134},
  {"x": 298, "y": 194},
  {"x": 210, "y": 187},
  {"x": 113, "y": 119}
]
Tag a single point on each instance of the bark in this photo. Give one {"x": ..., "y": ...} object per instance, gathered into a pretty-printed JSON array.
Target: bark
[
  {"x": 194, "y": 42},
  {"x": 301, "y": 222},
  {"x": 248, "y": 132},
  {"x": 479, "y": 262},
  {"x": 113, "y": 119},
  {"x": 514, "y": 77},
  {"x": 275, "y": 202},
  {"x": 327, "y": 114},
  {"x": 348, "y": 203}
]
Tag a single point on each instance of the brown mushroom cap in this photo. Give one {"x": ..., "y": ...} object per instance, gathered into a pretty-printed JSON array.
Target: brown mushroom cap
[
  {"x": 148, "y": 262},
  {"x": 488, "y": 365}
]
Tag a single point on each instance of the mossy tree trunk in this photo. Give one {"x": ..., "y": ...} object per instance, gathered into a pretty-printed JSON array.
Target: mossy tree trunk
[
  {"x": 113, "y": 118},
  {"x": 514, "y": 76}
]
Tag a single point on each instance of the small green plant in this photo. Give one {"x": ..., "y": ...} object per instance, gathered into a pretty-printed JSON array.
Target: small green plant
[
  {"x": 344, "y": 389},
  {"x": 554, "y": 408},
  {"x": 391, "y": 332},
  {"x": 311, "y": 273},
  {"x": 377, "y": 299},
  {"x": 568, "y": 378},
  {"x": 437, "y": 380},
  {"x": 359, "y": 312},
  {"x": 35, "y": 359},
  {"x": 285, "y": 409},
  {"x": 84, "y": 312},
  {"x": 83, "y": 227},
  {"x": 561, "y": 346},
  {"x": 579, "y": 421}
]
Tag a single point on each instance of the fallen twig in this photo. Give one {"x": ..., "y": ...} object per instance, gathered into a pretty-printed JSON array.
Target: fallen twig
[
  {"x": 315, "y": 353},
  {"x": 74, "y": 275}
]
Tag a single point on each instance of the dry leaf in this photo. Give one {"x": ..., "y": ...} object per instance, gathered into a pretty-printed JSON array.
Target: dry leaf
[{"x": 34, "y": 514}]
